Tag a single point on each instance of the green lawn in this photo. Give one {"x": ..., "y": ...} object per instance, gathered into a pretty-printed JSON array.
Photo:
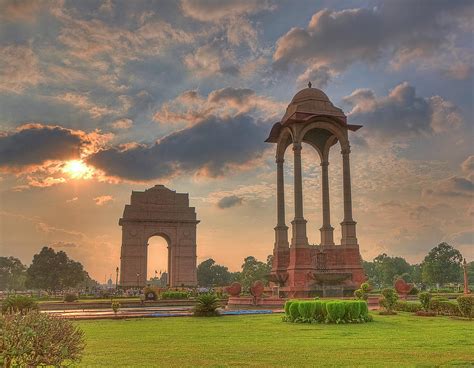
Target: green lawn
[{"x": 265, "y": 341}]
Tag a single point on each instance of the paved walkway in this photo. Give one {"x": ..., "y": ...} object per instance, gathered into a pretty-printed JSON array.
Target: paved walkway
[{"x": 106, "y": 313}]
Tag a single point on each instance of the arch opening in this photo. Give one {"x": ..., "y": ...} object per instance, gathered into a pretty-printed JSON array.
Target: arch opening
[{"x": 158, "y": 260}]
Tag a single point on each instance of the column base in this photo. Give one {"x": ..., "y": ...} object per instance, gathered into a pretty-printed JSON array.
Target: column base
[
  {"x": 348, "y": 229},
  {"x": 299, "y": 238},
  {"x": 327, "y": 235}
]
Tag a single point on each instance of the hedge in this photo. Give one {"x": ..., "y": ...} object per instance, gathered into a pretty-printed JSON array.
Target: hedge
[
  {"x": 174, "y": 295},
  {"x": 404, "y": 306},
  {"x": 327, "y": 311}
]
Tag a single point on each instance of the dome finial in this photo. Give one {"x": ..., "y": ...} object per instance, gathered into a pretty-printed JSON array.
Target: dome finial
[{"x": 309, "y": 84}]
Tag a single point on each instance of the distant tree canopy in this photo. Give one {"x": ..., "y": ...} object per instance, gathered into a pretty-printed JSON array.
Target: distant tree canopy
[
  {"x": 442, "y": 265},
  {"x": 211, "y": 274},
  {"x": 253, "y": 270},
  {"x": 54, "y": 271},
  {"x": 12, "y": 274},
  {"x": 385, "y": 269}
]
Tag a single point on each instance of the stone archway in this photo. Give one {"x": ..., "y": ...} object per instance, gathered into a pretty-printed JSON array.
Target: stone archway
[{"x": 158, "y": 211}]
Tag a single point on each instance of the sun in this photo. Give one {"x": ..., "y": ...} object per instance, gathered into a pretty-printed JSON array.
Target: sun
[{"x": 77, "y": 169}]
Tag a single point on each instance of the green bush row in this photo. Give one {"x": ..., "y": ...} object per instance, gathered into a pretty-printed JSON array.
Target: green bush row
[
  {"x": 440, "y": 305},
  {"x": 404, "y": 306},
  {"x": 174, "y": 295},
  {"x": 327, "y": 311}
]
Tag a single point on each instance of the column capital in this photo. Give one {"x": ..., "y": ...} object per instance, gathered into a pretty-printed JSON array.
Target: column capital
[
  {"x": 346, "y": 151},
  {"x": 297, "y": 147},
  {"x": 279, "y": 160},
  {"x": 324, "y": 163}
]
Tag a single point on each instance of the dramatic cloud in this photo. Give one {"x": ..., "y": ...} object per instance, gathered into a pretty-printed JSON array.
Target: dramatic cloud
[
  {"x": 190, "y": 107},
  {"x": 228, "y": 202},
  {"x": 456, "y": 186},
  {"x": 215, "y": 10},
  {"x": 405, "y": 31},
  {"x": 35, "y": 143},
  {"x": 402, "y": 113},
  {"x": 19, "y": 68},
  {"x": 213, "y": 58},
  {"x": 468, "y": 165},
  {"x": 209, "y": 147},
  {"x": 122, "y": 123},
  {"x": 101, "y": 200}
]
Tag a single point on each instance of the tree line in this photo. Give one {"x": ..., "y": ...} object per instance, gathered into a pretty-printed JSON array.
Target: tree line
[
  {"x": 49, "y": 270},
  {"x": 55, "y": 271},
  {"x": 441, "y": 266}
]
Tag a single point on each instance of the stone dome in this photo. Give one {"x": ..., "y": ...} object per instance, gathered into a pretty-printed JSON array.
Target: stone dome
[
  {"x": 311, "y": 102},
  {"x": 310, "y": 94}
]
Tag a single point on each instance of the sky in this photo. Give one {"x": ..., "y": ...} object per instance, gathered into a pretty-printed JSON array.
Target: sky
[{"x": 99, "y": 98}]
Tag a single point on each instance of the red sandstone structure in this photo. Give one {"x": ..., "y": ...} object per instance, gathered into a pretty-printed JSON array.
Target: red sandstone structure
[
  {"x": 158, "y": 211},
  {"x": 301, "y": 269}
]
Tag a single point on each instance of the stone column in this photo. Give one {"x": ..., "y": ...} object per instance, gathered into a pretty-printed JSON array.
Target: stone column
[
  {"x": 348, "y": 225},
  {"x": 299, "y": 223},
  {"x": 327, "y": 231},
  {"x": 281, "y": 230}
]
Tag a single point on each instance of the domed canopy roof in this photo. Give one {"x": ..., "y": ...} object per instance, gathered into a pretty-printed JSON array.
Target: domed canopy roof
[
  {"x": 310, "y": 102},
  {"x": 310, "y": 94}
]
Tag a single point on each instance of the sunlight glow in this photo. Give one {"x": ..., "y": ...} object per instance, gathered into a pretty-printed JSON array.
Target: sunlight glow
[{"x": 77, "y": 169}]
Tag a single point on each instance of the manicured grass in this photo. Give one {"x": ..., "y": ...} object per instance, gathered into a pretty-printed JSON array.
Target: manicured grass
[{"x": 264, "y": 341}]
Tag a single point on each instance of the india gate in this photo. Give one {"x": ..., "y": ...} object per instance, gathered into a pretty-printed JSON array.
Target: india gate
[
  {"x": 301, "y": 269},
  {"x": 158, "y": 211}
]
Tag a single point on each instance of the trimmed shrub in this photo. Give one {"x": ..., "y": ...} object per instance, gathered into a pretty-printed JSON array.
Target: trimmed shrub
[
  {"x": 294, "y": 311},
  {"x": 404, "y": 306},
  {"x": 425, "y": 298},
  {"x": 175, "y": 295},
  {"x": 364, "y": 311},
  {"x": 207, "y": 305},
  {"x": 18, "y": 304},
  {"x": 449, "y": 308},
  {"x": 435, "y": 303},
  {"x": 306, "y": 310},
  {"x": 352, "y": 310},
  {"x": 465, "y": 304},
  {"x": 336, "y": 311},
  {"x": 150, "y": 293},
  {"x": 39, "y": 339},
  {"x": 389, "y": 299},
  {"x": 326, "y": 311},
  {"x": 70, "y": 297},
  {"x": 319, "y": 311},
  {"x": 363, "y": 292},
  {"x": 115, "y": 306}
]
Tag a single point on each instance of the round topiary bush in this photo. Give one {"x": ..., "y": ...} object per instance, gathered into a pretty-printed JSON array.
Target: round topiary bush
[
  {"x": 294, "y": 311},
  {"x": 335, "y": 311},
  {"x": 352, "y": 310},
  {"x": 306, "y": 309}
]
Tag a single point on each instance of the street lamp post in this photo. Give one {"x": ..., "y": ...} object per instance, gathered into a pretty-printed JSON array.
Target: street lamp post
[
  {"x": 466, "y": 281},
  {"x": 138, "y": 280},
  {"x": 116, "y": 277}
]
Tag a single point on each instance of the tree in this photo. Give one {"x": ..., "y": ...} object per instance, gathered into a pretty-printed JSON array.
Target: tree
[
  {"x": 54, "y": 271},
  {"x": 253, "y": 270},
  {"x": 211, "y": 274},
  {"x": 12, "y": 274},
  {"x": 387, "y": 269},
  {"x": 442, "y": 265}
]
